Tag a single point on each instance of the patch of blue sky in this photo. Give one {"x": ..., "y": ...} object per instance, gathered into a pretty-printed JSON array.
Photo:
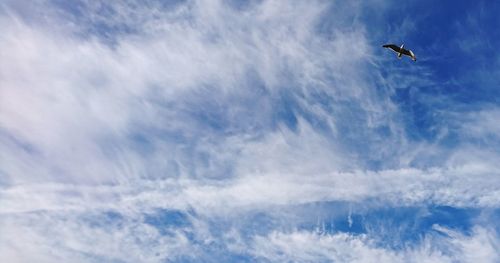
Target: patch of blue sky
[
  {"x": 441, "y": 34},
  {"x": 394, "y": 227},
  {"x": 166, "y": 221}
]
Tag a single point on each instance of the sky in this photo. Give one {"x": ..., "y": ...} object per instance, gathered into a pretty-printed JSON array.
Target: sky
[{"x": 249, "y": 131}]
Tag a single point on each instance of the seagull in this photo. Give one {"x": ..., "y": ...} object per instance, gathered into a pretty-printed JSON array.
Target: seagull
[{"x": 401, "y": 51}]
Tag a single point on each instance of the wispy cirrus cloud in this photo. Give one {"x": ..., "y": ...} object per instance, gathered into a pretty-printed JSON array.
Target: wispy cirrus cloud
[
  {"x": 309, "y": 247},
  {"x": 150, "y": 132}
]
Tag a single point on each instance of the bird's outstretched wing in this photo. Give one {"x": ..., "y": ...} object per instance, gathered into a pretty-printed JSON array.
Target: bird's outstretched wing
[
  {"x": 393, "y": 47},
  {"x": 406, "y": 52}
]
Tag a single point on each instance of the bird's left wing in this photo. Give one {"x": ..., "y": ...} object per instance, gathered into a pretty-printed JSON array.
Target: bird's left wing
[{"x": 392, "y": 46}]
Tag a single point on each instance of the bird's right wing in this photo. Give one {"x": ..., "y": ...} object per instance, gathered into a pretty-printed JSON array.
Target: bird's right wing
[{"x": 407, "y": 52}]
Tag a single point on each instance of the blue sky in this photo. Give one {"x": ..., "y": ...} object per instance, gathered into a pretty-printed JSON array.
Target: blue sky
[{"x": 234, "y": 131}]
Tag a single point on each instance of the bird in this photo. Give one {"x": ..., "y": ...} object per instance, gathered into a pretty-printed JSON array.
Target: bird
[{"x": 401, "y": 51}]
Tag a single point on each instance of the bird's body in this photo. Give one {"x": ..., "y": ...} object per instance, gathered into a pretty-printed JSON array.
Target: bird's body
[{"x": 401, "y": 51}]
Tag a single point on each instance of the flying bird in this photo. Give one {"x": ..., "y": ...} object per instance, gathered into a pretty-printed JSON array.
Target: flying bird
[{"x": 401, "y": 51}]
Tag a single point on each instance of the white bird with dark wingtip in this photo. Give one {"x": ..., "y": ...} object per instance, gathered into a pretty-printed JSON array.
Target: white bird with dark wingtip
[{"x": 401, "y": 51}]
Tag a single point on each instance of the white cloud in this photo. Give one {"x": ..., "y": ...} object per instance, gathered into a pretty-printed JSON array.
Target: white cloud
[
  {"x": 64, "y": 96},
  {"x": 183, "y": 113},
  {"x": 482, "y": 124},
  {"x": 311, "y": 247}
]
